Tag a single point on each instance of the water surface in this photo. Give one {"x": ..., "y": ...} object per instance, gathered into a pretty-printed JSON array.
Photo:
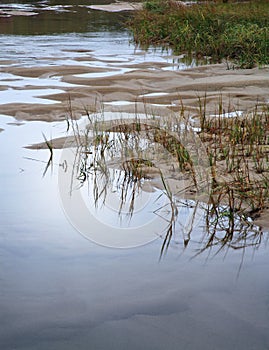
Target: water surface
[{"x": 59, "y": 290}]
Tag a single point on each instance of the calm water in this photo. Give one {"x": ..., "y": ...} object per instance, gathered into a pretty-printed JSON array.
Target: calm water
[{"x": 59, "y": 290}]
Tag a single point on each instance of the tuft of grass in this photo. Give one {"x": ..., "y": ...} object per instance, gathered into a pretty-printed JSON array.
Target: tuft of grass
[
  {"x": 235, "y": 31},
  {"x": 238, "y": 149}
]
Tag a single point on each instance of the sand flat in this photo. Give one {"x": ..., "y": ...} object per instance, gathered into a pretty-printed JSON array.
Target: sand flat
[{"x": 239, "y": 89}]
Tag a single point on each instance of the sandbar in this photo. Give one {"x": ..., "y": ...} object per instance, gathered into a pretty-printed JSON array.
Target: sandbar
[{"x": 146, "y": 84}]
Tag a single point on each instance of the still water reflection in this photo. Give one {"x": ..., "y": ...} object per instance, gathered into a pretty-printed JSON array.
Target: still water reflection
[{"x": 60, "y": 291}]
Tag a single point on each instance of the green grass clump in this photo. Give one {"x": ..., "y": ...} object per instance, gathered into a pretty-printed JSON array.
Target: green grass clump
[
  {"x": 238, "y": 149},
  {"x": 238, "y": 32}
]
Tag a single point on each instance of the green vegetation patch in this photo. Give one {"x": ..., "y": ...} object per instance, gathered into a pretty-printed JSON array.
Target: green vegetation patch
[{"x": 235, "y": 31}]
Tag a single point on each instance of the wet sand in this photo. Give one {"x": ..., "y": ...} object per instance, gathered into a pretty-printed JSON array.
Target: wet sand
[{"x": 147, "y": 82}]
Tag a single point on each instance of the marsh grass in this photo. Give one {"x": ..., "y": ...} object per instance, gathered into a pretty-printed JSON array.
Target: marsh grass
[
  {"x": 123, "y": 155},
  {"x": 239, "y": 151},
  {"x": 237, "y": 31}
]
